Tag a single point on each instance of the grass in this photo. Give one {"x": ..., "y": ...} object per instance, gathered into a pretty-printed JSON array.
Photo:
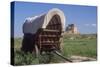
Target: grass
[
  {"x": 81, "y": 45},
  {"x": 22, "y": 58}
]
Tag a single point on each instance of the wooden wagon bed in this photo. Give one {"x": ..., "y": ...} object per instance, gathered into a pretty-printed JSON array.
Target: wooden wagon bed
[{"x": 48, "y": 40}]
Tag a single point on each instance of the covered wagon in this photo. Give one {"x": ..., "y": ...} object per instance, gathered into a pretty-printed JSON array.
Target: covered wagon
[{"x": 44, "y": 32}]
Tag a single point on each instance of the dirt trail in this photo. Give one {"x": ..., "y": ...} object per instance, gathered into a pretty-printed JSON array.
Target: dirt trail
[{"x": 81, "y": 59}]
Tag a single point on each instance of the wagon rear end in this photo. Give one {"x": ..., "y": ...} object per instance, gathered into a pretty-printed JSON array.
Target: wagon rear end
[{"x": 48, "y": 40}]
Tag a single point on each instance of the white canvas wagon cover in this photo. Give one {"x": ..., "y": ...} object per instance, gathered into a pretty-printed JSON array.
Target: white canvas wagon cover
[{"x": 32, "y": 24}]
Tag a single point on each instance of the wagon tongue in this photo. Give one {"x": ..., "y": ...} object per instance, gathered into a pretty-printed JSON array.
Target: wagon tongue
[{"x": 59, "y": 54}]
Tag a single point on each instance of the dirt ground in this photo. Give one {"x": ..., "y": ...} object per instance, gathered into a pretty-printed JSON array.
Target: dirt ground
[{"x": 81, "y": 59}]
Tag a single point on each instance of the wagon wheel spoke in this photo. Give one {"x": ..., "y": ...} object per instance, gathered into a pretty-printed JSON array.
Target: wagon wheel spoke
[{"x": 36, "y": 51}]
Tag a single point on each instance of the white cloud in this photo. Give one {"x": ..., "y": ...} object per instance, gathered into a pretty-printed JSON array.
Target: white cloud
[{"x": 94, "y": 25}]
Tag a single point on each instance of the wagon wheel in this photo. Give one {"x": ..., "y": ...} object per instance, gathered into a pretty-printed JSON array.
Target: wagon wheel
[{"x": 36, "y": 51}]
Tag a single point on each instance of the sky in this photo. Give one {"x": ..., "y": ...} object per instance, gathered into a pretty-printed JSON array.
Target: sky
[{"x": 84, "y": 17}]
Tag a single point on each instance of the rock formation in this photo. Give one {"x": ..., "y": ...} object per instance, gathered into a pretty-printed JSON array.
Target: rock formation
[{"x": 72, "y": 29}]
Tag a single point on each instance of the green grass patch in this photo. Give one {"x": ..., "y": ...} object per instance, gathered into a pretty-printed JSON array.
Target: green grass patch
[{"x": 80, "y": 46}]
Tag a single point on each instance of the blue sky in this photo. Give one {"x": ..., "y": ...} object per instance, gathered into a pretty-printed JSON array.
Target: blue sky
[{"x": 84, "y": 17}]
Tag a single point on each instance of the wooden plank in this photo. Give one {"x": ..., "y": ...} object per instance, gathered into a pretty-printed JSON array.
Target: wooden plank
[
  {"x": 54, "y": 24},
  {"x": 50, "y": 43},
  {"x": 51, "y": 36},
  {"x": 48, "y": 30}
]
